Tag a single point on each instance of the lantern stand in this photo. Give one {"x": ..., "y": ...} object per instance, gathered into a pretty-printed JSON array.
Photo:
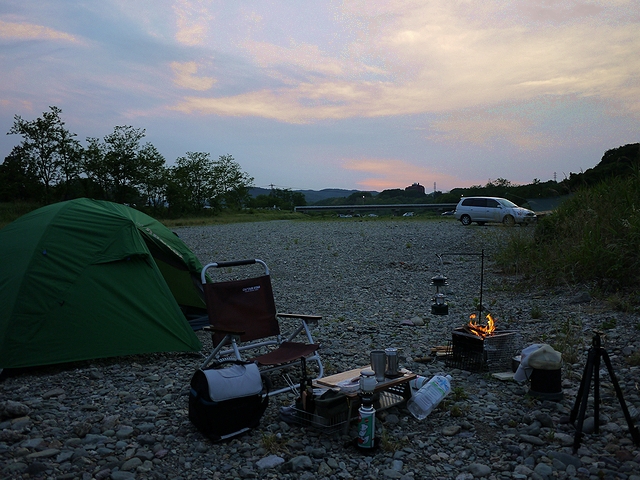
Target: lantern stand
[{"x": 441, "y": 281}]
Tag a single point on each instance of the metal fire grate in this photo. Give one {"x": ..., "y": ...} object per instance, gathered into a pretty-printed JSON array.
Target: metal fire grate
[{"x": 491, "y": 354}]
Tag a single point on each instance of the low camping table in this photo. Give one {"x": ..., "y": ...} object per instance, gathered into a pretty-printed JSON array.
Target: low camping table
[{"x": 388, "y": 393}]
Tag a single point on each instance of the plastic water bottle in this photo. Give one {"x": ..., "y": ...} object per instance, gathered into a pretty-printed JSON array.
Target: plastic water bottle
[
  {"x": 416, "y": 383},
  {"x": 429, "y": 396}
]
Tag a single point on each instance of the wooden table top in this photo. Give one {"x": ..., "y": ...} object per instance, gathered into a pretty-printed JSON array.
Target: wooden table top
[{"x": 332, "y": 381}]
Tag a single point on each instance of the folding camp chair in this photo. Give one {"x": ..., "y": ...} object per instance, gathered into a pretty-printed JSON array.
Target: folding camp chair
[{"x": 244, "y": 325}]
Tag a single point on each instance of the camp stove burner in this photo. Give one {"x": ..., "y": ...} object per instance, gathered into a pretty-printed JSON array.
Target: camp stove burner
[{"x": 492, "y": 353}]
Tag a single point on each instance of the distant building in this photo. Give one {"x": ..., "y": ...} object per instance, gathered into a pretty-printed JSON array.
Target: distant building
[{"x": 416, "y": 187}]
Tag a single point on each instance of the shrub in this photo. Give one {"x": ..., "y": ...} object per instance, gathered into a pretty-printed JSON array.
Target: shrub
[{"x": 594, "y": 238}]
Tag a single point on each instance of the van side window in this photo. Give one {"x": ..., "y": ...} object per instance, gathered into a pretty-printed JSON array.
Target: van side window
[
  {"x": 492, "y": 203},
  {"x": 475, "y": 202}
]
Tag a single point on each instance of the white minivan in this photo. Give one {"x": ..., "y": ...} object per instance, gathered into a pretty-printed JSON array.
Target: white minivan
[{"x": 492, "y": 209}]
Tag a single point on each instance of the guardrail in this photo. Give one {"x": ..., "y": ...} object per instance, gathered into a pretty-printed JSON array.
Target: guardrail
[{"x": 405, "y": 207}]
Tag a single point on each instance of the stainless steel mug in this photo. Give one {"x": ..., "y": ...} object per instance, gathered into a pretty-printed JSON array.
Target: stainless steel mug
[
  {"x": 392, "y": 361},
  {"x": 379, "y": 364}
]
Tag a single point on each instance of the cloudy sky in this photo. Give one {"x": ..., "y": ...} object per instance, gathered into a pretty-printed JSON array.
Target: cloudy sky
[{"x": 356, "y": 94}]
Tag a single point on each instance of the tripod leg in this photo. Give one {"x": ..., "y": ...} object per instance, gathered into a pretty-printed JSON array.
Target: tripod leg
[
  {"x": 583, "y": 398},
  {"x": 633, "y": 430},
  {"x": 596, "y": 390},
  {"x": 583, "y": 381}
]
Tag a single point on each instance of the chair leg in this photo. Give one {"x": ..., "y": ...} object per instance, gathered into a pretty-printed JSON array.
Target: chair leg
[
  {"x": 303, "y": 374},
  {"x": 216, "y": 351}
]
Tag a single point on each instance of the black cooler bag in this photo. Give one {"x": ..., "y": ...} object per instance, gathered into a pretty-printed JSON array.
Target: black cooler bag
[{"x": 226, "y": 400}]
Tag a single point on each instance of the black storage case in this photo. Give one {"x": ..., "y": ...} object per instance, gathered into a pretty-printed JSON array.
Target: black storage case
[{"x": 223, "y": 408}]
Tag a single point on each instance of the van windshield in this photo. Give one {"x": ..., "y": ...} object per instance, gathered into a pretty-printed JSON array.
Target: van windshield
[{"x": 506, "y": 203}]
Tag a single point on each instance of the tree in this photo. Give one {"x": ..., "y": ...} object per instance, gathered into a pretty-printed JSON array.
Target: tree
[
  {"x": 499, "y": 182},
  {"x": 71, "y": 153},
  {"x": 121, "y": 165},
  {"x": 17, "y": 181},
  {"x": 191, "y": 182},
  {"x": 48, "y": 149},
  {"x": 154, "y": 175},
  {"x": 283, "y": 199},
  {"x": 231, "y": 184}
]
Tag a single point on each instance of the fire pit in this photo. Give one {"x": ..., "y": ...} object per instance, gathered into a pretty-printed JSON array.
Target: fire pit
[{"x": 477, "y": 348}]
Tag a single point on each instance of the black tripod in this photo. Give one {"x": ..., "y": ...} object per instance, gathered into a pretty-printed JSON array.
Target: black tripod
[{"x": 592, "y": 368}]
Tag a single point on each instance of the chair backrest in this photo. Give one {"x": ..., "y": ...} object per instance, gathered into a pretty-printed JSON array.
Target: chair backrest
[{"x": 245, "y": 305}]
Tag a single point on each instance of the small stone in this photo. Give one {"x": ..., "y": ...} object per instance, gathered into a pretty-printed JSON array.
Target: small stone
[
  {"x": 392, "y": 419},
  {"x": 533, "y": 440},
  {"x": 269, "y": 462},
  {"x": 11, "y": 436},
  {"x": 301, "y": 462},
  {"x": 452, "y": 430},
  {"x": 49, "y": 452},
  {"x": 391, "y": 473},
  {"x": 566, "y": 458},
  {"x": 479, "y": 470},
  {"x": 131, "y": 464},
  {"x": 543, "y": 470},
  {"x": 13, "y": 409},
  {"x": 81, "y": 429},
  {"x": 124, "y": 433},
  {"x": 545, "y": 420},
  {"x": 563, "y": 439},
  {"x": 55, "y": 392},
  {"x": 464, "y": 476},
  {"x": 122, "y": 475}
]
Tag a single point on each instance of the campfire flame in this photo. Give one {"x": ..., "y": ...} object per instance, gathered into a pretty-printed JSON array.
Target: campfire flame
[{"x": 481, "y": 331}]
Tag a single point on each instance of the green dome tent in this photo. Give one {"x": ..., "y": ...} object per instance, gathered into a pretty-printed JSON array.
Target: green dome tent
[{"x": 88, "y": 279}]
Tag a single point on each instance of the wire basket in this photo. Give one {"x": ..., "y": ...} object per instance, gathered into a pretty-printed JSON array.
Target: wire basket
[{"x": 326, "y": 425}]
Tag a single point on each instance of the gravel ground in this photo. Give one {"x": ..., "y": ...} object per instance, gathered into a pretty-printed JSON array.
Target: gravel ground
[{"x": 370, "y": 280}]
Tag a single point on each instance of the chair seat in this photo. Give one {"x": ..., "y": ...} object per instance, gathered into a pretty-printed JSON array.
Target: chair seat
[{"x": 285, "y": 353}]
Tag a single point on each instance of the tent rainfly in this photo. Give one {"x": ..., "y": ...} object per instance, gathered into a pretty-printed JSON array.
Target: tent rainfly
[{"x": 87, "y": 279}]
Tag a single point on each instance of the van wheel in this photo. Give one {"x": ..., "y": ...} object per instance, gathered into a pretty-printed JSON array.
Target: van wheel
[
  {"x": 509, "y": 221},
  {"x": 465, "y": 220}
]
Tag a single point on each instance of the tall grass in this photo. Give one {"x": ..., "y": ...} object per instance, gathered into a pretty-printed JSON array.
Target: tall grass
[
  {"x": 10, "y": 211},
  {"x": 594, "y": 237}
]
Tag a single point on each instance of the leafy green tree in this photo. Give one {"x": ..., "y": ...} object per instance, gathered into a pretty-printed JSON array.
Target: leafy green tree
[
  {"x": 48, "y": 149},
  {"x": 121, "y": 165},
  {"x": 284, "y": 199},
  {"x": 231, "y": 185},
  {"x": 71, "y": 156},
  {"x": 95, "y": 167},
  {"x": 191, "y": 183},
  {"x": 153, "y": 177},
  {"x": 17, "y": 180}
]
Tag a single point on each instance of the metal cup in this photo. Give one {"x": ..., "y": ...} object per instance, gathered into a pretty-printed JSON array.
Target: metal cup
[
  {"x": 379, "y": 364},
  {"x": 392, "y": 361}
]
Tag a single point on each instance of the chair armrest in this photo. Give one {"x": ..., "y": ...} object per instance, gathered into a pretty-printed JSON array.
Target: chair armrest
[
  {"x": 306, "y": 318},
  {"x": 223, "y": 330}
]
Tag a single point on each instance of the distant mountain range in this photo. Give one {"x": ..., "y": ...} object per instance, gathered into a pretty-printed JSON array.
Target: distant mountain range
[{"x": 311, "y": 196}]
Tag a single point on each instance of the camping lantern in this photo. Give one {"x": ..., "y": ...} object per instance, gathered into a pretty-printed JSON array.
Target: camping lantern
[
  {"x": 367, "y": 382},
  {"x": 439, "y": 305}
]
